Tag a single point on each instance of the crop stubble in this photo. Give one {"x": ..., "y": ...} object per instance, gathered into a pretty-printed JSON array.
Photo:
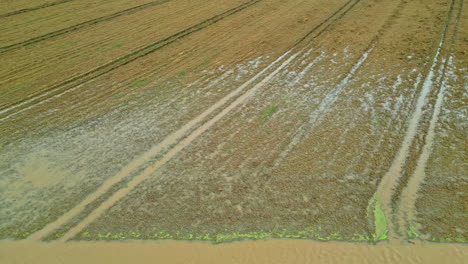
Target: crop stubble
[
  {"x": 302, "y": 157},
  {"x": 160, "y": 130}
]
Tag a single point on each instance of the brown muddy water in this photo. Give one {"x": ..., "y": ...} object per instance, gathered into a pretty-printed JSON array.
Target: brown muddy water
[{"x": 265, "y": 251}]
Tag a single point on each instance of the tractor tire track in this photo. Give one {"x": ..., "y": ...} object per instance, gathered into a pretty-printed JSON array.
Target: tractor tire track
[
  {"x": 24, "y": 10},
  {"x": 279, "y": 153},
  {"x": 330, "y": 97},
  {"x": 177, "y": 140},
  {"x": 79, "y": 26},
  {"x": 329, "y": 18},
  {"x": 60, "y": 88},
  {"x": 391, "y": 178},
  {"x": 155, "y": 150},
  {"x": 174, "y": 151},
  {"x": 406, "y": 214}
]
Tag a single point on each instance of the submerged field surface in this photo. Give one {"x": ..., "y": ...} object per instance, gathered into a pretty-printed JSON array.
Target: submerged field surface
[{"x": 241, "y": 119}]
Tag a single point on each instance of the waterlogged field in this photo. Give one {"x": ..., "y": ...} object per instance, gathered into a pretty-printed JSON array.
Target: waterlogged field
[{"x": 228, "y": 120}]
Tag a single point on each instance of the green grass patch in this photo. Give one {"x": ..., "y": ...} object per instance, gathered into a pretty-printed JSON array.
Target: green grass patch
[
  {"x": 269, "y": 112},
  {"x": 376, "y": 120},
  {"x": 139, "y": 83},
  {"x": 380, "y": 221},
  {"x": 412, "y": 232},
  {"x": 309, "y": 233},
  {"x": 448, "y": 239},
  {"x": 21, "y": 232}
]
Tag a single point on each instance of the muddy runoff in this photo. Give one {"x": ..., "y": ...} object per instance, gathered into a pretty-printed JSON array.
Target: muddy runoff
[{"x": 264, "y": 251}]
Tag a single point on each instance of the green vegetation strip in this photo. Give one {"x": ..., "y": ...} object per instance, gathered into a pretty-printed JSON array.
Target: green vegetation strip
[
  {"x": 310, "y": 233},
  {"x": 139, "y": 83},
  {"x": 62, "y": 230},
  {"x": 269, "y": 112},
  {"x": 412, "y": 232},
  {"x": 380, "y": 221},
  {"x": 449, "y": 240}
]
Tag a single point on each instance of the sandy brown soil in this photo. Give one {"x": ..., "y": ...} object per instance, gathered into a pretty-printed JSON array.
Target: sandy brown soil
[
  {"x": 244, "y": 119},
  {"x": 31, "y": 25},
  {"x": 317, "y": 161},
  {"x": 253, "y": 252},
  {"x": 14, "y": 7},
  {"x": 442, "y": 206},
  {"x": 171, "y": 113},
  {"x": 27, "y": 72}
]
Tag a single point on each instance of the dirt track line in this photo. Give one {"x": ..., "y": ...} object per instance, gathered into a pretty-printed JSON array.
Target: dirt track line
[
  {"x": 304, "y": 127},
  {"x": 79, "y": 26},
  {"x": 34, "y": 8},
  {"x": 390, "y": 180},
  {"x": 322, "y": 108},
  {"x": 165, "y": 144},
  {"x": 61, "y": 88},
  {"x": 135, "y": 164},
  {"x": 306, "y": 69},
  {"x": 406, "y": 214},
  {"x": 332, "y": 16},
  {"x": 174, "y": 151}
]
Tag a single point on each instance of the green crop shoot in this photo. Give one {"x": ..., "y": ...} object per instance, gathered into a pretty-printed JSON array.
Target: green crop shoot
[
  {"x": 380, "y": 221},
  {"x": 139, "y": 83},
  {"x": 412, "y": 232},
  {"x": 268, "y": 112}
]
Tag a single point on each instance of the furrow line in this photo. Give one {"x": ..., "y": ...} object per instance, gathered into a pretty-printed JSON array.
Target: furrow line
[
  {"x": 174, "y": 151},
  {"x": 322, "y": 108},
  {"x": 406, "y": 213},
  {"x": 333, "y": 16},
  {"x": 390, "y": 180},
  {"x": 155, "y": 150},
  {"x": 79, "y": 26},
  {"x": 58, "y": 89},
  {"x": 179, "y": 140},
  {"x": 34, "y": 8}
]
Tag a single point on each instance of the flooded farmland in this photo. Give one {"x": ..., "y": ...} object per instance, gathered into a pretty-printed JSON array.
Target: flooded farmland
[{"x": 253, "y": 129}]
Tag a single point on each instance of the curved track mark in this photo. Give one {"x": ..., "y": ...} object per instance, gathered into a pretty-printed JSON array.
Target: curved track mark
[
  {"x": 406, "y": 214},
  {"x": 390, "y": 180},
  {"x": 329, "y": 98}
]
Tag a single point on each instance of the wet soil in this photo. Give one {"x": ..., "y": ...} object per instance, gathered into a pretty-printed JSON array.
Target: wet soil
[{"x": 325, "y": 120}]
